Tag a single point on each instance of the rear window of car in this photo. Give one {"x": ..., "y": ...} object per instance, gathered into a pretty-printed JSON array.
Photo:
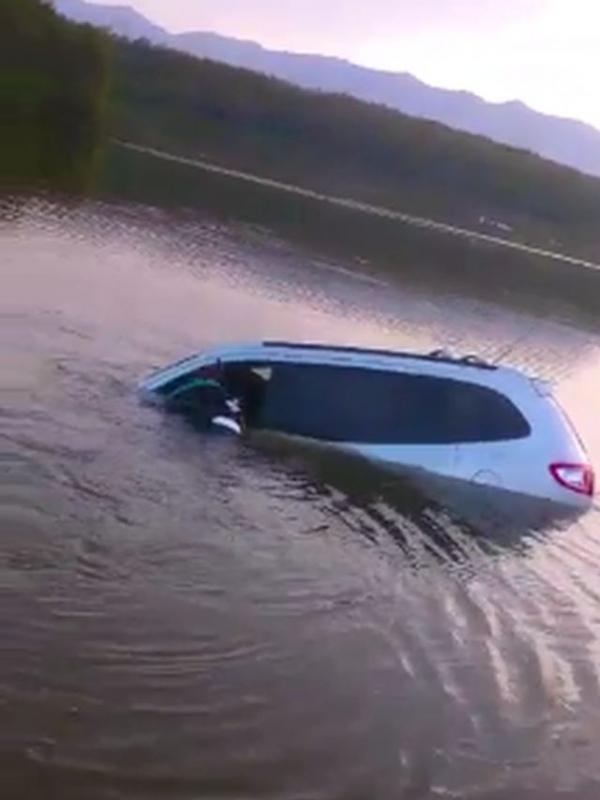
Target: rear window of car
[{"x": 341, "y": 403}]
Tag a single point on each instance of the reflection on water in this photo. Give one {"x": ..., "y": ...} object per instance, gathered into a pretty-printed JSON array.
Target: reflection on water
[
  {"x": 428, "y": 518},
  {"x": 192, "y": 617},
  {"x": 381, "y": 247}
]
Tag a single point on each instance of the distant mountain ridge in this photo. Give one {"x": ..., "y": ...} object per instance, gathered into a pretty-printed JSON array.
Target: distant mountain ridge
[{"x": 565, "y": 141}]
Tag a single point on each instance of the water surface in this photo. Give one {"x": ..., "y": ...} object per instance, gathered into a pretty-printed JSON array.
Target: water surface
[{"x": 184, "y": 617}]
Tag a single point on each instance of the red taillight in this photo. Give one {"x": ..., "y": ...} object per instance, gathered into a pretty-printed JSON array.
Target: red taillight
[{"x": 576, "y": 477}]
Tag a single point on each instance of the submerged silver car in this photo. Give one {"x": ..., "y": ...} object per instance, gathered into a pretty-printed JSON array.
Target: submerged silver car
[{"x": 454, "y": 417}]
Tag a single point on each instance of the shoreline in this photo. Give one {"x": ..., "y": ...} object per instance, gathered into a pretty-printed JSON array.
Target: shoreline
[{"x": 357, "y": 205}]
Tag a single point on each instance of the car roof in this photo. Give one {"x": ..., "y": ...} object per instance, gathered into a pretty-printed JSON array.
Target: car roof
[
  {"x": 438, "y": 363},
  {"x": 436, "y": 355}
]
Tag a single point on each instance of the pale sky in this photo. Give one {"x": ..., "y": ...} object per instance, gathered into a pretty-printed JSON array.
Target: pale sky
[{"x": 544, "y": 52}]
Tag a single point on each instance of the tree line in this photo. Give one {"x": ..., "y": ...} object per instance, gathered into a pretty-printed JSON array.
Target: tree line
[
  {"x": 341, "y": 145},
  {"x": 53, "y": 92},
  {"x": 64, "y": 85}
]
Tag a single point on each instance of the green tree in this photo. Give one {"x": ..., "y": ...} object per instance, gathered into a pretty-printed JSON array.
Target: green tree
[{"x": 53, "y": 90}]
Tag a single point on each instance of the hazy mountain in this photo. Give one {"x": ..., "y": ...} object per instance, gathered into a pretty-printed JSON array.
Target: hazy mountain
[
  {"x": 120, "y": 19},
  {"x": 566, "y": 141}
]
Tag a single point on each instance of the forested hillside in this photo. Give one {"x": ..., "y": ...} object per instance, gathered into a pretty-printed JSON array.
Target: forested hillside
[
  {"x": 565, "y": 141},
  {"x": 53, "y": 88},
  {"x": 337, "y": 144},
  {"x": 53, "y": 81}
]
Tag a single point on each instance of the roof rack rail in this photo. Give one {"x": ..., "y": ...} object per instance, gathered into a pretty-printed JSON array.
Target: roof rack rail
[{"x": 436, "y": 355}]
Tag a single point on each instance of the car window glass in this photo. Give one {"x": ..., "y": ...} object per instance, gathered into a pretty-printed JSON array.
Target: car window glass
[{"x": 339, "y": 403}]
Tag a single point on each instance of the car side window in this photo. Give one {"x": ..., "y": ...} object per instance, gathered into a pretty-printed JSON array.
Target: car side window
[{"x": 340, "y": 403}]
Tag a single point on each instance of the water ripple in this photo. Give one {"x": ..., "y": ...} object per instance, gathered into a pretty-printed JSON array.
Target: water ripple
[{"x": 185, "y": 617}]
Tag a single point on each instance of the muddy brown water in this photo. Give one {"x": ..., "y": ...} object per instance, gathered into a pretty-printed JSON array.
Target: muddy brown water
[{"x": 183, "y": 617}]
